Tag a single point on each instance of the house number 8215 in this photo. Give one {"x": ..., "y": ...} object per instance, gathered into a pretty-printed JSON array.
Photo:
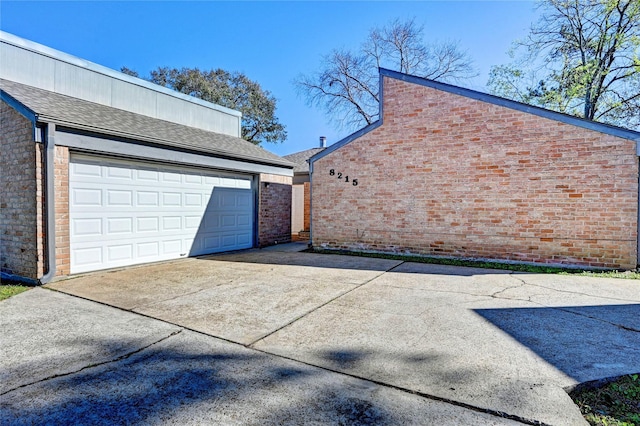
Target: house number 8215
[{"x": 333, "y": 172}]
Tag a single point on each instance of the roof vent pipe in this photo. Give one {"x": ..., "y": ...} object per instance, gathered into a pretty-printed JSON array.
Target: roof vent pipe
[{"x": 323, "y": 141}]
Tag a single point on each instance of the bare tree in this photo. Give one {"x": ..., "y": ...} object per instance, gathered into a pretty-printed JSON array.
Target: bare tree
[
  {"x": 587, "y": 55},
  {"x": 346, "y": 87}
]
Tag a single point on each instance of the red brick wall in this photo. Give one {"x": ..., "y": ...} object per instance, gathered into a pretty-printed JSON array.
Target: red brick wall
[
  {"x": 19, "y": 251},
  {"x": 448, "y": 175},
  {"x": 274, "y": 210},
  {"x": 61, "y": 172}
]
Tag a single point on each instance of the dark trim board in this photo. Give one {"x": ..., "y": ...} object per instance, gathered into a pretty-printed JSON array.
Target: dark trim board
[{"x": 129, "y": 149}]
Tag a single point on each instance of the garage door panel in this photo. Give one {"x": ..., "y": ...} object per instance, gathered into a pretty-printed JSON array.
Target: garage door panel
[
  {"x": 245, "y": 238},
  {"x": 148, "y": 224},
  {"x": 91, "y": 227},
  {"x": 119, "y": 173},
  {"x": 211, "y": 242},
  {"x": 86, "y": 197},
  {"x": 147, "y": 198},
  {"x": 150, "y": 249},
  {"x": 171, "y": 199},
  {"x": 126, "y": 212},
  {"x": 171, "y": 223},
  {"x": 87, "y": 257},
  {"x": 228, "y": 220},
  {"x": 193, "y": 200},
  {"x": 244, "y": 220},
  {"x": 119, "y": 225},
  {"x": 87, "y": 169},
  {"x": 148, "y": 175},
  {"x": 119, "y": 198},
  {"x": 171, "y": 178},
  {"x": 119, "y": 252}
]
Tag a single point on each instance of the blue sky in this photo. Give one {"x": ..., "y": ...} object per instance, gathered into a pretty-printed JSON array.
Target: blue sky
[{"x": 272, "y": 42}]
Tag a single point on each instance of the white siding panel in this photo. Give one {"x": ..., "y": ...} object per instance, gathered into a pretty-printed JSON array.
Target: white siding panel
[
  {"x": 126, "y": 212},
  {"x": 133, "y": 98},
  {"x": 74, "y": 81},
  {"x": 24, "y": 67}
]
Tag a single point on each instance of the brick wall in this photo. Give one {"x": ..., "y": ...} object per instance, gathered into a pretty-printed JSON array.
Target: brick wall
[
  {"x": 19, "y": 251},
  {"x": 274, "y": 210},
  {"x": 61, "y": 172},
  {"x": 447, "y": 175}
]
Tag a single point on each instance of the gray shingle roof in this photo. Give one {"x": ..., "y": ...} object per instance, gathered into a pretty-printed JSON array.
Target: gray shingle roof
[
  {"x": 76, "y": 113},
  {"x": 300, "y": 159}
]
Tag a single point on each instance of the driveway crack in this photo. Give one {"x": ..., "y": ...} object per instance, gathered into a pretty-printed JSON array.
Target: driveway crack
[
  {"x": 86, "y": 367},
  {"x": 299, "y": 317},
  {"x": 522, "y": 283},
  {"x": 569, "y": 291}
]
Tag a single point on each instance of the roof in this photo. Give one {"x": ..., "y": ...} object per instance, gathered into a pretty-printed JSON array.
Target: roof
[
  {"x": 74, "y": 113},
  {"x": 483, "y": 97},
  {"x": 300, "y": 159}
]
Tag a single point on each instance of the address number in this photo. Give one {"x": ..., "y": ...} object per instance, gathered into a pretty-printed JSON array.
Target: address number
[{"x": 340, "y": 176}]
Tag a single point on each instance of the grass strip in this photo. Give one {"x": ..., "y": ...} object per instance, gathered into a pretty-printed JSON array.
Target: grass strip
[
  {"x": 8, "y": 290},
  {"x": 614, "y": 402},
  {"x": 473, "y": 263}
]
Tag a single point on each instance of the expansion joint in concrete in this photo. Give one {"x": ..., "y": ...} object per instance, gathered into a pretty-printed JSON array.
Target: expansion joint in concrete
[
  {"x": 86, "y": 367},
  {"x": 620, "y": 326},
  {"x": 299, "y": 317},
  {"x": 477, "y": 409}
]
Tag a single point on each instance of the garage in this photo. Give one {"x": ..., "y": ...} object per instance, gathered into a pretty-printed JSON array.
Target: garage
[
  {"x": 123, "y": 212},
  {"x": 112, "y": 171}
]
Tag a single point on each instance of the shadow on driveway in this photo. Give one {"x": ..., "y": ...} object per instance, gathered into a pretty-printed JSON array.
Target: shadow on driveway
[
  {"x": 584, "y": 342},
  {"x": 346, "y": 261},
  {"x": 193, "y": 379}
]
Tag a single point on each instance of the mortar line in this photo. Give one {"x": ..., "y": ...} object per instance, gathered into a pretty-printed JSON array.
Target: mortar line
[
  {"x": 120, "y": 358},
  {"x": 250, "y": 345}
]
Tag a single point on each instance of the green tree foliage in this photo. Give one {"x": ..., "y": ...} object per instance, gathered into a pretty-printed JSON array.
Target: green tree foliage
[
  {"x": 346, "y": 85},
  {"x": 582, "y": 58},
  {"x": 232, "y": 90}
]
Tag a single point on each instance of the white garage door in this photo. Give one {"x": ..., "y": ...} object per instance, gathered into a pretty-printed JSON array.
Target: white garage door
[{"x": 125, "y": 212}]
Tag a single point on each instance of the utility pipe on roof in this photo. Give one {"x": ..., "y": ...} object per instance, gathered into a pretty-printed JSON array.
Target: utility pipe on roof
[{"x": 49, "y": 203}]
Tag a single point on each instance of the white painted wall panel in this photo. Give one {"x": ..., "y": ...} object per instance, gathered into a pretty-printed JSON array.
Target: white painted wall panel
[
  {"x": 75, "y": 81},
  {"x": 126, "y": 212},
  {"x": 297, "y": 208},
  {"x": 133, "y": 98},
  {"x": 36, "y": 65},
  {"x": 22, "y": 66}
]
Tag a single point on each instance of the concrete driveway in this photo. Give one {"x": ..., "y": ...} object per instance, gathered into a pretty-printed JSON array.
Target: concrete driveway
[{"x": 326, "y": 338}]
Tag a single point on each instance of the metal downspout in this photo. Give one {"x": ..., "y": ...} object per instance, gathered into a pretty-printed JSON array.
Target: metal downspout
[
  {"x": 49, "y": 203},
  {"x": 310, "y": 204}
]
